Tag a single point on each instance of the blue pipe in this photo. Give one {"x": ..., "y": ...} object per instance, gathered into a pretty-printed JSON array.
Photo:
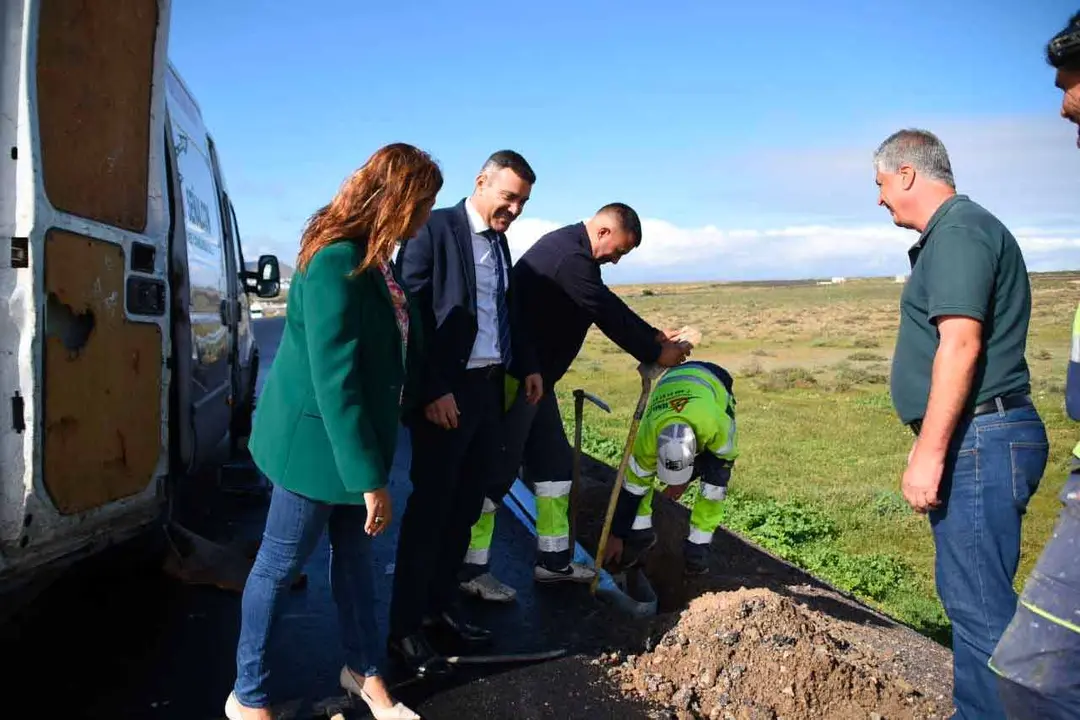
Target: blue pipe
[{"x": 521, "y": 501}]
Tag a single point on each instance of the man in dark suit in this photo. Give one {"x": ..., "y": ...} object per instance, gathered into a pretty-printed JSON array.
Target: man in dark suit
[{"x": 457, "y": 270}]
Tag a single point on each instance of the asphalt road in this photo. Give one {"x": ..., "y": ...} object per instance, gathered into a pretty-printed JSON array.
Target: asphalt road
[{"x": 130, "y": 642}]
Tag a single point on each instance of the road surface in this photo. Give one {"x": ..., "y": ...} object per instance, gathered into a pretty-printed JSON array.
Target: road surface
[{"x": 140, "y": 645}]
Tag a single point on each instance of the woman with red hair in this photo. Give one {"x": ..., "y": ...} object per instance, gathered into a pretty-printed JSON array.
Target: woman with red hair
[{"x": 327, "y": 423}]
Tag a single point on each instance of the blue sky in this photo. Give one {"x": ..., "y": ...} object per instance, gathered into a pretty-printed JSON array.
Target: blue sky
[{"x": 742, "y": 135}]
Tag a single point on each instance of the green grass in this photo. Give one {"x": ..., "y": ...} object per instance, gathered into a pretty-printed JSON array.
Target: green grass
[{"x": 821, "y": 449}]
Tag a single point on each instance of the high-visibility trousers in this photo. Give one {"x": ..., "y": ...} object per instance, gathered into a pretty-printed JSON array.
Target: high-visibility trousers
[
  {"x": 704, "y": 518},
  {"x": 537, "y": 448}
]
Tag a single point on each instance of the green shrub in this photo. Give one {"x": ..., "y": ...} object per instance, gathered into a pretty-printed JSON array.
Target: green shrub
[{"x": 779, "y": 526}]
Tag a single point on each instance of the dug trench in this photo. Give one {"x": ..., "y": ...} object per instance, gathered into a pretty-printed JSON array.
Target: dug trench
[{"x": 757, "y": 637}]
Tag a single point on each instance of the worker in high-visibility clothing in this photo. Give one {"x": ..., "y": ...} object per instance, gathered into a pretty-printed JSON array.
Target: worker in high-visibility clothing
[
  {"x": 1037, "y": 658},
  {"x": 688, "y": 431}
]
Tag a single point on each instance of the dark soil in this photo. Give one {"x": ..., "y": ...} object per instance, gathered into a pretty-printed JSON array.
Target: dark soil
[{"x": 838, "y": 644}]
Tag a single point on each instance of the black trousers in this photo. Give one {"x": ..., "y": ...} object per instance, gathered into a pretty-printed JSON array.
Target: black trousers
[{"x": 450, "y": 471}]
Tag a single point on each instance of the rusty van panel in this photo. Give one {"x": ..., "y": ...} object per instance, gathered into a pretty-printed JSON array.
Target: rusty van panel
[
  {"x": 94, "y": 71},
  {"x": 102, "y": 390}
]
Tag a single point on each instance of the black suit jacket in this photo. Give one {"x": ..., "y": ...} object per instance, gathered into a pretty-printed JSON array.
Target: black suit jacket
[{"x": 439, "y": 270}]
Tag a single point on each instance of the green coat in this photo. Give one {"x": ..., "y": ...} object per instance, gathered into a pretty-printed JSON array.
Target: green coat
[{"x": 327, "y": 420}]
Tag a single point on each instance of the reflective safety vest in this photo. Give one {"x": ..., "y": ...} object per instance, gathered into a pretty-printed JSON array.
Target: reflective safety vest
[{"x": 693, "y": 395}]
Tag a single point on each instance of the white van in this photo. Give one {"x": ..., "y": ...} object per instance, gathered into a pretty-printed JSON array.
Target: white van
[{"x": 126, "y": 350}]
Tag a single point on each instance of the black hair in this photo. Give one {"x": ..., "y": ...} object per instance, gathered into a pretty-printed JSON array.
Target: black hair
[{"x": 628, "y": 219}]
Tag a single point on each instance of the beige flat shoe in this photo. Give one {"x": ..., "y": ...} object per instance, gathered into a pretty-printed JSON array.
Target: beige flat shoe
[
  {"x": 397, "y": 712},
  {"x": 232, "y": 708}
]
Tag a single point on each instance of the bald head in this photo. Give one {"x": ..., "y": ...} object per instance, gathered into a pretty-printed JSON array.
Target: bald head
[{"x": 614, "y": 231}]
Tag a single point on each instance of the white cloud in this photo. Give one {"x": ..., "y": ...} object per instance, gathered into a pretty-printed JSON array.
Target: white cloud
[
  {"x": 525, "y": 231},
  {"x": 794, "y": 210},
  {"x": 672, "y": 253},
  {"x": 1024, "y": 169},
  {"x": 800, "y": 206}
]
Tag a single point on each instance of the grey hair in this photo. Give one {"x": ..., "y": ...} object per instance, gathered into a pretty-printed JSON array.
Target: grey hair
[{"x": 921, "y": 150}]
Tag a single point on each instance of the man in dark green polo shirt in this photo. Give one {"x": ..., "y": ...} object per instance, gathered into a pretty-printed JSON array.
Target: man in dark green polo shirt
[{"x": 960, "y": 381}]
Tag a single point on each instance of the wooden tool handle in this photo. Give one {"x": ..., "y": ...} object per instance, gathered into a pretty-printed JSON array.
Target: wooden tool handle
[{"x": 647, "y": 375}]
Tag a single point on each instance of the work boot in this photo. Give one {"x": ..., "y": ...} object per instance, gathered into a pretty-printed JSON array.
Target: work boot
[
  {"x": 574, "y": 572},
  {"x": 637, "y": 547},
  {"x": 695, "y": 558},
  {"x": 488, "y": 587}
]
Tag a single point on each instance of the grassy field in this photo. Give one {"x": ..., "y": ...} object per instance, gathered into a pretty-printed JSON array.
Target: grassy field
[{"x": 822, "y": 451}]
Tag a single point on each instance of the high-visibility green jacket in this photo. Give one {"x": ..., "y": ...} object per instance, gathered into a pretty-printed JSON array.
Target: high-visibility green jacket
[{"x": 695, "y": 394}]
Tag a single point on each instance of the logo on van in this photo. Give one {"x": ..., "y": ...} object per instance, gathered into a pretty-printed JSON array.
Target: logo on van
[{"x": 198, "y": 212}]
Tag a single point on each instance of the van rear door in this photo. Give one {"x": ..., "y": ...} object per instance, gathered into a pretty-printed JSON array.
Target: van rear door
[{"x": 84, "y": 326}]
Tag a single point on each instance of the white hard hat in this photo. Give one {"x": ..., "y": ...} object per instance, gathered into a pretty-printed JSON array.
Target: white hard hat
[{"x": 676, "y": 448}]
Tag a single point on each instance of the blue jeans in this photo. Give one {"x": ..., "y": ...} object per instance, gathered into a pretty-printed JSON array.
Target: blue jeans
[
  {"x": 1038, "y": 657},
  {"x": 993, "y": 467},
  {"x": 294, "y": 525}
]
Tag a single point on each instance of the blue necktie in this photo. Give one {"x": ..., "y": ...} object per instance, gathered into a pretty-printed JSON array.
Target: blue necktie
[{"x": 501, "y": 308}]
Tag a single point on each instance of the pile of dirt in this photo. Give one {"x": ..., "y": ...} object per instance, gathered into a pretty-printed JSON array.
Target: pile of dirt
[
  {"x": 736, "y": 564},
  {"x": 754, "y": 654}
]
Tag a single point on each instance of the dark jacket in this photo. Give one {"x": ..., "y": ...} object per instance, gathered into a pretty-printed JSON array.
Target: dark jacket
[
  {"x": 559, "y": 282},
  {"x": 327, "y": 423},
  {"x": 439, "y": 270}
]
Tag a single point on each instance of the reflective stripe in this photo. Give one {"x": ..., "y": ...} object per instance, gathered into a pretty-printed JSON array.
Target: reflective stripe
[
  {"x": 555, "y": 489},
  {"x": 634, "y": 489},
  {"x": 1075, "y": 354},
  {"x": 713, "y": 492},
  {"x": 489, "y": 507},
  {"x": 642, "y": 522},
  {"x": 478, "y": 556},
  {"x": 730, "y": 444},
  {"x": 670, "y": 377},
  {"x": 553, "y": 544},
  {"x": 1056, "y": 620},
  {"x": 699, "y": 537},
  {"x": 638, "y": 470}
]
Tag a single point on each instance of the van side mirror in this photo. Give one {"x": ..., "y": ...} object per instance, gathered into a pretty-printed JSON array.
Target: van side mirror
[{"x": 266, "y": 281}]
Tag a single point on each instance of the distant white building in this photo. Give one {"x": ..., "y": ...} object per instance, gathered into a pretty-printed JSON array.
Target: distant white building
[
  {"x": 900, "y": 278},
  {"x": 838, "y": 280}
]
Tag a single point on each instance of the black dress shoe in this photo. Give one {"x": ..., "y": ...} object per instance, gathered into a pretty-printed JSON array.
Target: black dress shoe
[
  {"x": 452, "y": 624},
  {"x": 415, "y": 652}
]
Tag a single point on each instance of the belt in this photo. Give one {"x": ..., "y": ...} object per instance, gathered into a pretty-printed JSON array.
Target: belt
[
  {"x": 997, "y": 404},
  {"x": 487, "y": 372}
]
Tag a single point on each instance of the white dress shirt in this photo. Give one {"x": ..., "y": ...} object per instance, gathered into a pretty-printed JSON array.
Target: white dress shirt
[{"x": 486, "y": 350}]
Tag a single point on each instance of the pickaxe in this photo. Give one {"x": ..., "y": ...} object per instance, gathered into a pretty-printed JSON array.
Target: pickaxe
[
  {"x": 648, "y": 373},
  {"x": 580, "y": 396}
]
